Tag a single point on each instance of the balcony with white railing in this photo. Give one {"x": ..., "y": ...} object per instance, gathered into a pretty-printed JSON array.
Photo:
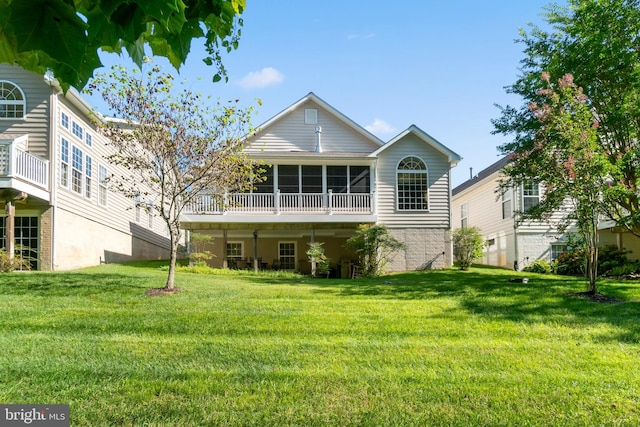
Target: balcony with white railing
[
  {"x": 283, "y": 204},
  {"x": 23, "y": 171}
]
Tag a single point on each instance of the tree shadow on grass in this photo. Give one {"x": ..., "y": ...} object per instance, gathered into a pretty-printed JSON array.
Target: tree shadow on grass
[
  {"x": 49, "y": 284},
  {"x": 488, "y": 292}
]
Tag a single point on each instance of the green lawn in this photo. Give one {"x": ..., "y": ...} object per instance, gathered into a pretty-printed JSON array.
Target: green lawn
[{"x": 429, "y": 348}]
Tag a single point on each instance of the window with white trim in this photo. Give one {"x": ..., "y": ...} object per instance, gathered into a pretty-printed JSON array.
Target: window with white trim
[
  {"x": 77, "y": 130},
  {"x": 530, "y": 195},
  {"x": 88, "y": 139},
  {"x": 102, "y": 185},
  {"x": 235, "y": 250},
  {"x": 507, "y": 205},
  {"x": 64, "y": 163},
  {"x": 87, "y": 176},
  {"x": 464, "y": 213},
  {"x": 64, "y": 120},
  {"x": 12, "y": 101},
  {"x": 76, "y": 169},
  {"x": 287, "y": 255},
  {"x": 137, "y": 202},
  {"x": 412, "y": 184},
  {"x": 558, "y": 249},
  {"x": 311, "y": 116},
  {"x": 150, "y": 213}
]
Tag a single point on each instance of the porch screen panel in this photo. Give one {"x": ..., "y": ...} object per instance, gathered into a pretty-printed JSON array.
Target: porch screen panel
[
  {"x": 288, "y": 179},
  {"x": 265, "y": 186},
  {"x": 359, "y": 179},
  {"x": 337, "y": 179},
  {"x": 311, "y": 179}
]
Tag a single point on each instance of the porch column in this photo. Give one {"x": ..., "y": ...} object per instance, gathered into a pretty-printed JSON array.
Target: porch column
[
  {"x": 313, "y": 260},
  {"x": 225, "y": 261},
  {"x": 10, "y": 228},
  {"x": 255, "y": 251}
]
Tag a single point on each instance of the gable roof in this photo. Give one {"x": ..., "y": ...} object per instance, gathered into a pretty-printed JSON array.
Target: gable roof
[
  {"x": 452, "y": 156},
  {"x": 483, "y": 174},
  {"x": 322, "y": 103}
]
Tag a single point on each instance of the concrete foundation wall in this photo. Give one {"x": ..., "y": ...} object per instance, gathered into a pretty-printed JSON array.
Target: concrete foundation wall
[
  {"x": 426, "y": 248},
  {"x": 80, "y": 242}
]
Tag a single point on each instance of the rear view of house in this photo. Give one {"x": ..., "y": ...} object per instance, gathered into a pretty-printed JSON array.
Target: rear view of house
[
  {"x": 53, "y": 182},
  {"x": 325, "y": 175}
]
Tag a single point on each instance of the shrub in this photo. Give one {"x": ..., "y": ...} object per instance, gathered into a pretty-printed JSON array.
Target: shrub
[
  {"x": 629, "y": 269},
  {"x": 609, "y": 258},
  {"x": 539, "y": 266},
  {"x": 374, "y": 245},
  {"x": 17, "y": 263},
  {"x": 316, "y": 255},
  {"x": 467, "y": 246}
]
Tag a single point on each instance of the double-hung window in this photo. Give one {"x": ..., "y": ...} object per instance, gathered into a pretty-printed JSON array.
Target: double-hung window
[
  {"x": 64, "y": 163},
  {"x": 102, "y": 185},
  {"x": 530, "y": 195},
  {"x": 234, "y": 251},
  {"x": 87, "y": 177},
  {"x": 464, "y": 215},
  {"x": 507, "y": 206},
  {"x": 412, "y": 184},
  {"x": 76, "y": 169},
  {"x": 287, "y": 255}
]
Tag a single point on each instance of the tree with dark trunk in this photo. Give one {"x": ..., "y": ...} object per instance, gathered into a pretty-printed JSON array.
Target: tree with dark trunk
[{"x": 172, "y": 148}]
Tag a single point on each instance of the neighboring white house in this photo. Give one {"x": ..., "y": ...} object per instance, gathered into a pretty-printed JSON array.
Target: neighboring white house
[
  {"x": 325, "y": 175},
  {"x": 477, "y": 202},
  {"x": 53, "y": 170}
]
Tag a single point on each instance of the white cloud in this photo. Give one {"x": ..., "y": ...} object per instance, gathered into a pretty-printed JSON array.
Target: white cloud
[
  {"x": 268, "y": 76},
  {"x": 380, "y": 127}
]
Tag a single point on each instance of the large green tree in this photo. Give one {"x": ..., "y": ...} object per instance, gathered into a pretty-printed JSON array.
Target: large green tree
[
  {"x": 64, "y": 36},
  {"x": 598, "y": 43},
  {"x": 565, "y": 158},
  {"x": 170, "y": 145}
]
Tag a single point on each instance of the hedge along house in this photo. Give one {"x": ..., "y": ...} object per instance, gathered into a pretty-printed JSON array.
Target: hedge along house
[
  {"x": 53, "y": 182},
  {"x": 325, "y": 175}
]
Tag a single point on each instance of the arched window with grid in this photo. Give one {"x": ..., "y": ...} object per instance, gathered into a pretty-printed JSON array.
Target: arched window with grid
[
  {"x": 412, "y": 184},
  {"x": 12, "y": 101}
]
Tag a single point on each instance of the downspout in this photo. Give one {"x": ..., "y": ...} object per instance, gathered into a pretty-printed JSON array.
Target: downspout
[
  {"x": 516, "y": 202},
  {"x": 53, "y": 125}
]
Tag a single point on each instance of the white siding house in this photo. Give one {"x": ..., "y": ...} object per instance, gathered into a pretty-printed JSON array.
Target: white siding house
[
  {"x": 325, "y": 176},
  {"x": 53, "y": 172},
  {"x": 510, "y": 243}
]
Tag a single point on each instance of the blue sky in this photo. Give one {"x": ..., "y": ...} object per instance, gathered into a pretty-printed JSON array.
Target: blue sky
[{"x": 441, "y": 65}]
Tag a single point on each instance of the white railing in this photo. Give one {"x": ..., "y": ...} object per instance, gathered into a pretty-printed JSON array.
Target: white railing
[
  {"x": 15, "y": 163},
  {"x": 285, "y": 203}
]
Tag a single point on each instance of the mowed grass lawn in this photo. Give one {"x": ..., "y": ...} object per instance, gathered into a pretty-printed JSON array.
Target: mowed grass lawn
[{"x": 429, "y": 348}]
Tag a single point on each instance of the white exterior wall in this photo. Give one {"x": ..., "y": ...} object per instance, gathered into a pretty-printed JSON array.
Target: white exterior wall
[
  {"x": 291, "y": 133},
  {"x": 36, "y": 121},
  {"x": 522, "y": 243},
  {"x": 438, "y": 174}
]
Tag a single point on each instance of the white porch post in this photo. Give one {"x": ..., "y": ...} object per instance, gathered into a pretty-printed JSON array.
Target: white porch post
[
  {"x": 330, "y": 202},
  {"x": 10, "y": 229}
]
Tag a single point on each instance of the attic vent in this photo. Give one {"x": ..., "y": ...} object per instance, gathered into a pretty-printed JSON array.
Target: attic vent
[{"x": 311, "y": 116}]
